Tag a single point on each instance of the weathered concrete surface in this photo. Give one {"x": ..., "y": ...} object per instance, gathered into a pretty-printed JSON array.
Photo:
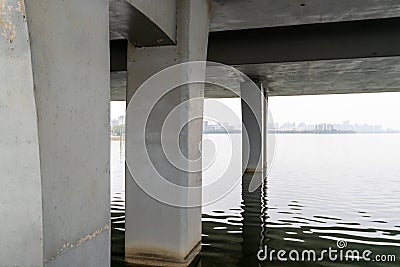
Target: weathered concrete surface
[
  {"x": 56, "y": 105},
  {"x": 21, "y": 229},
  {"x": 235, "y": 15},
  {"x": 85, "y": 252},
  {"x": 71, "y": 76},
  {"x": 163, "y": 234},
  {"x": 365, "y": 75},
  {"x": 345, "y": 76}
]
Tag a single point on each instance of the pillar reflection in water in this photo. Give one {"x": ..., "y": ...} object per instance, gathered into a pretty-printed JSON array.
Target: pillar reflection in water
[
  {"x": 237, "y": 233},
  {"x": 254, "y": 219}
]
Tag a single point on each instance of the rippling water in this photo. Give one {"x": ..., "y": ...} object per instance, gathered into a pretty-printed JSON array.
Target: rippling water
[
  {"x": 322, "y": 188},
  {"x": 117, "y": 203}
]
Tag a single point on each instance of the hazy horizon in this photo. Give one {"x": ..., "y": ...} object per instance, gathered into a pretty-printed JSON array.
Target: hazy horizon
[{"x": 372, "y": 108}]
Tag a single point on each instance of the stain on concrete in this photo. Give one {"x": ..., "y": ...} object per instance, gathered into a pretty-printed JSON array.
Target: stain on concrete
[
  {"x": 21, "y": 8},
  {"x": 68, "y": 246},
  {"x": 9, "y": 13}
]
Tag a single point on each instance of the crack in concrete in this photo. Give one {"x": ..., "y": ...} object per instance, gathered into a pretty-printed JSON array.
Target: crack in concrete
[{"x": 67, "y": 246}]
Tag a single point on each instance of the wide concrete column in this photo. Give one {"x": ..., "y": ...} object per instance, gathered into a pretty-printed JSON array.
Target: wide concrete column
[
  {"x": 157, "y": 233},
  {"x": 54, "y": 139},
  {"x": 254, "y": 119}
]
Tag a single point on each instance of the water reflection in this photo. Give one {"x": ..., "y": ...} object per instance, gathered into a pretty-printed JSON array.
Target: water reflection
[
  {"x": 322, "y": 189},
  {"x": 117, "y": 203}
]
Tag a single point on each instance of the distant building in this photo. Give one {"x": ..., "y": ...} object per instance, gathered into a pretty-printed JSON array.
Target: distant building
[{"x": 378, "y": 129}]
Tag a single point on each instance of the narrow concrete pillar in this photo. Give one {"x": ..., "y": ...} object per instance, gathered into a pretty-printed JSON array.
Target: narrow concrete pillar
[
  {"x": 157, "y": 233},
  {"x": 265, "y": 114},
  {"x": 254, "y": 122},
  {"x": 54, "y": 140}
]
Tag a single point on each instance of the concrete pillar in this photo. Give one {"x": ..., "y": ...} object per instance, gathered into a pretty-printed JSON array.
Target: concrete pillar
[
  {"x": 54, "y": 139},
  {"x": 254, "y": 180},
  {"x": 265, "y": 127},
  {"x": 254, "y": 122},
  {"x": 157, "y": 233}
]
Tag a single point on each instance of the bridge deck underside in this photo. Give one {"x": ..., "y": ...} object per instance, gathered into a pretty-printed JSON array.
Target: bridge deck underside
[
  {"x": 294, "y": 48},
  {"x": 344, "y": 76}
]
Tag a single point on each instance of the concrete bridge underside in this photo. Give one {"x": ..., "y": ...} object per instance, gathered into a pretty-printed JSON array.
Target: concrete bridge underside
[
  {"x": 294, "y": 47},
  {"x": 55, "y": 63},
  {"x": 288, "y": 47}
]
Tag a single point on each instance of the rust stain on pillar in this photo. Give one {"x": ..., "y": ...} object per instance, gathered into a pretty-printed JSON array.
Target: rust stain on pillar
[{"x": 8, "y": 15}]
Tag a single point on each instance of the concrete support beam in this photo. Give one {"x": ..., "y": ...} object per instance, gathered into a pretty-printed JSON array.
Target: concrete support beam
[
  {"x": 54, "y": 106},
  {"x": 162, "y": 13},
  {"x": 156, "y": 233},
  {"x": 250, "y": 14},
  {"x": 375, "y": 38},
  {"x": 143, "y": 22},
  {"x": 254, "y": 122},
  {"x": 338, "y": 40}
]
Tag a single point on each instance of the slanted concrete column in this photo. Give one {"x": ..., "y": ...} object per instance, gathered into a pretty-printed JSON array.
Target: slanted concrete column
[
  {"x": 158, "y": 233},
  {"x": 254, "y": 121},
  {"x": 54, "y": 139}
]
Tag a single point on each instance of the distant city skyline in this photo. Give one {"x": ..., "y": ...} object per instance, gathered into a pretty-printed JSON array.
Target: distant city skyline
[
  {"x": 345, "y": 126},
  {"x": 372, "y": 109}
]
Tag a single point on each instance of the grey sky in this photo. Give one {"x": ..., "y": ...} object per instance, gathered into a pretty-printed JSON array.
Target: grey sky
[{"x": 117, "y": 109}]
